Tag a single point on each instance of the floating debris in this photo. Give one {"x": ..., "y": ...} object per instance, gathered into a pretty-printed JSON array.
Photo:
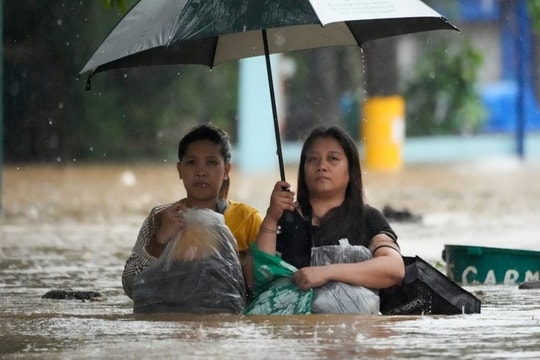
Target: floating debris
[
  {"x": 400, "y": 215},
  {"x": 530, "y": 285},
  {"x": 70, "y": 295}
]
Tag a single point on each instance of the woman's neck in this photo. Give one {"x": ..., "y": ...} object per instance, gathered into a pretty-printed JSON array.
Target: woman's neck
[
  {"x": 204, "y": 204},
  {"x": 319, "y": 207}
]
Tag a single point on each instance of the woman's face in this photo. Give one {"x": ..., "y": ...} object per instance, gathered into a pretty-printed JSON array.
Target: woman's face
[
  {"x": 203, "y": 169},
  {"x": 326, "y": 168}
]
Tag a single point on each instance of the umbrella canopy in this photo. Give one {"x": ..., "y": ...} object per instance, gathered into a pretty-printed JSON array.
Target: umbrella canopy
[{"x": 211, "y": 32}]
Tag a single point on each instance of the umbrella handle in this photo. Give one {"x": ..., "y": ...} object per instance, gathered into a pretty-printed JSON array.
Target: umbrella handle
[
  {"x": 273, "y": 101},
  {"x": 287, "y": 215}
]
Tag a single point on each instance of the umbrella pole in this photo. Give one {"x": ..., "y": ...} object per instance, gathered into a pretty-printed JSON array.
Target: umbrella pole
[{"x": 273, "y": 101}]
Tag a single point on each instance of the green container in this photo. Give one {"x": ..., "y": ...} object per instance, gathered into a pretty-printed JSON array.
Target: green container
[{"x": 470, "y": 265}]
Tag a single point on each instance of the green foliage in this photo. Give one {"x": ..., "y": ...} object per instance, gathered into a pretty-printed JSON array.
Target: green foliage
[
  {"x": 143, "y": 112},
  {"x": 441, "y": 93},
  {"x": 136, "y": 113},
  {"x": 121, "y": 5},
  {"x": 533, "y": 7}
]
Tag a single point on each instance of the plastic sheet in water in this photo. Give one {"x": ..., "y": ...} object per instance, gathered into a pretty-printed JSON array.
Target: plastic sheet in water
[
  {"x": 339, "y": 297},
  {"x": 199, "y": 272}
]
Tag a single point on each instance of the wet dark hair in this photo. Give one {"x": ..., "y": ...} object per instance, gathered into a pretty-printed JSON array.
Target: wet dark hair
[
  {"x": 344, "y": 221},
  {"x": 214, "y": 134}
]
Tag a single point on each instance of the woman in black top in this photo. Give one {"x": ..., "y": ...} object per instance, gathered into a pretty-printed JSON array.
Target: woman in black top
[{"x": 330, "y": 207}]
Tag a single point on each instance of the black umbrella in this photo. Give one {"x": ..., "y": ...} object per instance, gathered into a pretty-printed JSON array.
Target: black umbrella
[{"x": 211, "y": 32}]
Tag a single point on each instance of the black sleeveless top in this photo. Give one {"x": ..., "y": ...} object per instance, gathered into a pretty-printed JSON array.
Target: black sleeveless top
[{"x": 294, "y": 240}]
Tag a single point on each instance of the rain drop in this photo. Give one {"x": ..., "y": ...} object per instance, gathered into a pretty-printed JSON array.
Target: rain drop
[
  {"x": 125, "y": 76},
  {"x": 50, "y": 122},
  {"x": 58, "y": 159},
  {"x": 59, "y": 22},
  {"x": 61, "y": 105},
  {"x": 128, "y": 178},
  {"x": 67, "y": 43},
  {"x": 280, "y": 40},
  {"x": 74, "y": 160}
]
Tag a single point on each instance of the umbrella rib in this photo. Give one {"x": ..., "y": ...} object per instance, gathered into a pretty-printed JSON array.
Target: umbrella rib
[
  {"x": 89, "y": 80},
  {"x": 212, "y": 62}
]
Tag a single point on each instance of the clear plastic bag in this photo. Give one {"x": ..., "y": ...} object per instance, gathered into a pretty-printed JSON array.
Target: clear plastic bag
[
  {"x": 198, "y": 272},
  {"x": 339, "y": 297}
]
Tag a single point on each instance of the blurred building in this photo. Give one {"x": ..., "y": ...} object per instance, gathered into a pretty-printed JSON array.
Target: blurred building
[{"x": 509, "y": 82}]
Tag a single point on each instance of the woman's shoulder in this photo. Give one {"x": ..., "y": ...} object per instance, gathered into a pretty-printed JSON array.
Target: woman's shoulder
[
  {"x": 160, "y": 207},
  {"x": 241, "y": 215},
  {"x": 240, "y": 207},
  {"x": 370, "y": 210},
  {"x": 371, "y": 213}
]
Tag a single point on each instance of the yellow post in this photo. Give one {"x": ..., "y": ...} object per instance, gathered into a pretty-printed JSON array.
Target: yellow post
[{"x": 383, "y": 132}]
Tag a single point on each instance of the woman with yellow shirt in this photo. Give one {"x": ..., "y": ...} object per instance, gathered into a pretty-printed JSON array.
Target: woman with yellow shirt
[{"x": 204, "y": 164}]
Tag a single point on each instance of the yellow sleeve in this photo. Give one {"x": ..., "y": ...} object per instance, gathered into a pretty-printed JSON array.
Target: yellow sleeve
[{"x": 244, "y": 222}]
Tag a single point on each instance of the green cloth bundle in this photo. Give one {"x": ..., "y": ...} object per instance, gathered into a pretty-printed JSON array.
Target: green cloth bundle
[{"x": 274, "y": 292}]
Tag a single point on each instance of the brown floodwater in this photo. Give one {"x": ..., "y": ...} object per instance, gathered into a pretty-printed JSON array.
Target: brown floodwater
[{"x": 72, "y": 227}]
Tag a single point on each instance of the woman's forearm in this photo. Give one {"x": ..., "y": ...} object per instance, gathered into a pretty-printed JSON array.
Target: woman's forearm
[
  {"x": 267, "y": 237},
  {"x": 377, "y": 273}
]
